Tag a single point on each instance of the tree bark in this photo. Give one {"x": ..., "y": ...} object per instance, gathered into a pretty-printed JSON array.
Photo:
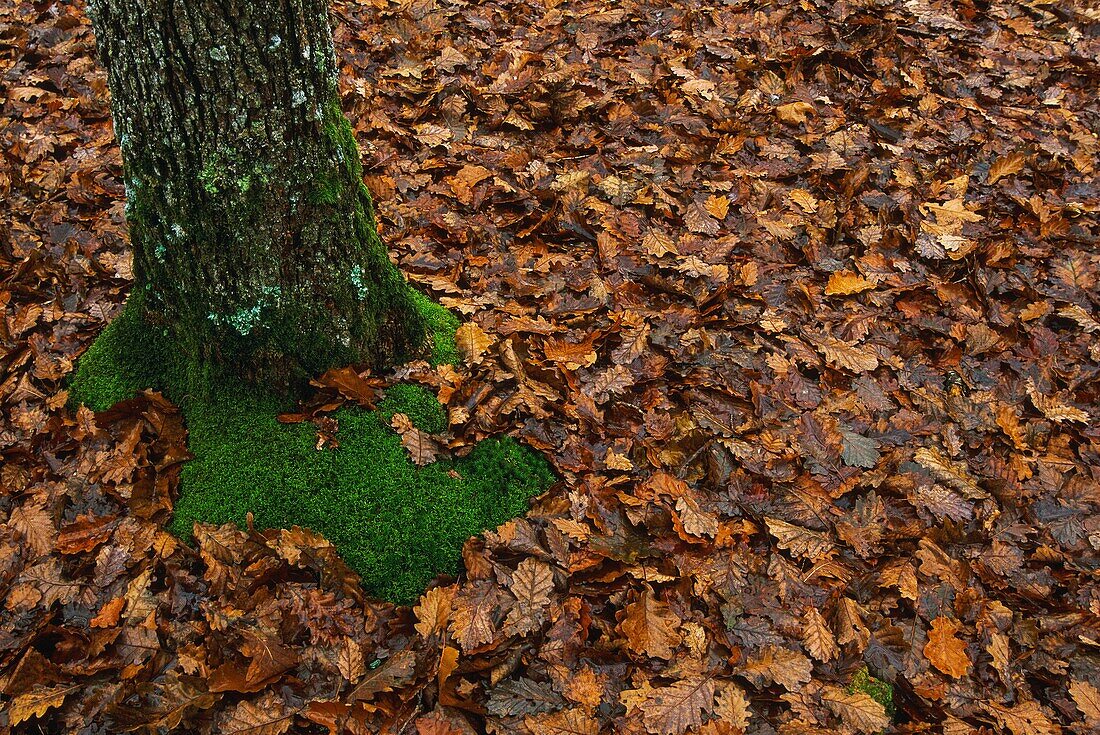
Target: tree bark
[{"x": 254, "y": 237}]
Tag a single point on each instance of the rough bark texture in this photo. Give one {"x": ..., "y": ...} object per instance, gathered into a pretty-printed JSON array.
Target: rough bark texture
[{"x": 253, "y": 234}]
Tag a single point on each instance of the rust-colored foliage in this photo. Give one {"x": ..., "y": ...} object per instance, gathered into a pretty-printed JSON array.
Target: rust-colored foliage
[{"x": 800, "y": 298}]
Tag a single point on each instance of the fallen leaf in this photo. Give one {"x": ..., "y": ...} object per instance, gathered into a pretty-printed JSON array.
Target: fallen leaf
[
  {"x": 857, "y": 710},
  {"x": 650, "y": 626},
  {"x": 944, "y": 651},
  {"x": 422, "y": 447},
  {"x": 846, "y": 283},
  {"x": 268, "y": 715},
  {"x": 1007, "y": 165},
  {"x": 794, "y": 113},
  {"x": 472, "y": 341},
  {"x": 675, "y": 709},
  {"x": 395, "y": 671},
  {"x": 433, "y": 611},
  {"x": 817, "y": 638},
  {"x": 847, "y": 356},
  {"x": 36, "y": 702}
]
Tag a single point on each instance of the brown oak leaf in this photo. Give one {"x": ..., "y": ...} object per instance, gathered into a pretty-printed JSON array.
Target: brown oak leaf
[
  {"x": 675, "y": 709},
  {"x": 857, "y": 710},
  {"x": 422, "y": 447},
  {"x": 650, "y": 626}
]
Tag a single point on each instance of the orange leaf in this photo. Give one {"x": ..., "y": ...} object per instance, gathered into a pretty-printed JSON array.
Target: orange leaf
[
  {"x": 846, "y": 283},
  {"x": 434, "y": 610},
  {"x": 946, "y": 652},
  {"x": 1008, "y": 165},
  {"x": 794, "y": 113}
]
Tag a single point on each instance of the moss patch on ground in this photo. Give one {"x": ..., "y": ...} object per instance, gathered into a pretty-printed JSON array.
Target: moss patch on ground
[
  {"x": 398, "y": 525},
  {"x": 879, "y": 690}
]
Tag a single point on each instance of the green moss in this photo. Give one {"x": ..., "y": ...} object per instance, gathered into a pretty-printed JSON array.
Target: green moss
[
  {"x": 442, "y": 325},
  {"x": 396, "y": 524},
  {"x": 879, "y": 690},
  {"x": 418, "y": 404},
  {"x": 103, "y": 377},
  {"x": 326, "y": 191}
]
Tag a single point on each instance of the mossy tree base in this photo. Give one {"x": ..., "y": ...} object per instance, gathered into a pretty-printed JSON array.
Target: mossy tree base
[{"x": 396, "y": 524}]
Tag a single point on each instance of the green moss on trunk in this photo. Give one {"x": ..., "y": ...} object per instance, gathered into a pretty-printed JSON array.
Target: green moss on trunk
[{"x": 255, "y": 242}]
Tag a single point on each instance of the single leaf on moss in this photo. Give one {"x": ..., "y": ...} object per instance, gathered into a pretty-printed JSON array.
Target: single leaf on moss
[{"x": 422, "y": 447}]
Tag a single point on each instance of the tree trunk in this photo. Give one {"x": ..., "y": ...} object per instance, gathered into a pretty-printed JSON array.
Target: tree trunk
[{"x": 254, "y": 238}]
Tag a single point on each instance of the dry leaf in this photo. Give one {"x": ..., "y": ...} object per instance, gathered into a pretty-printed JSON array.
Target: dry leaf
[
  {"x": 847, "y": 356},
  {"x": 422, "y": 447},
  {"x": 794, "y": 113},
  {"x": 267, "y": 716},
  {"x": 433, "y": 611},
  {"x": 393, "y": 673},
  {"x": 802, "y": 542},
  {"x": 463, "y": 182},
  {"x": 845, "y": 283},
  {"x": 944, "y": 651},
  {"x": 1087, "y": 699},
  {"x": 531, "y": 585},
  {"x": 472, "y": 341},
  {"x": 817, "y": 637},
  {"x": 856, "y": 710},
  {"x": 572, "y": 355},
  {"x": 35, "y": 702},
  {"x": 785, "y": 667},
  {"x": 1008, "y": 165},
  {"x": 675, "y": 709}
]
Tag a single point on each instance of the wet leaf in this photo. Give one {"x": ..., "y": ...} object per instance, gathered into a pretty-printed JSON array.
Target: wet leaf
[{"x": 650, "y": 626}]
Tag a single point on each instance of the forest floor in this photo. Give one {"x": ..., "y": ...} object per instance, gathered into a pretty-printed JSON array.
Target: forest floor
[{"x": 801, "y": 300}]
